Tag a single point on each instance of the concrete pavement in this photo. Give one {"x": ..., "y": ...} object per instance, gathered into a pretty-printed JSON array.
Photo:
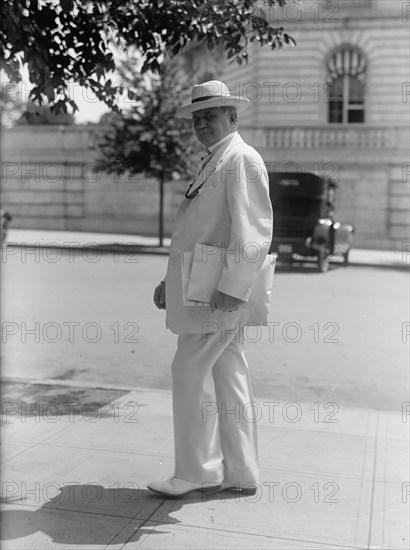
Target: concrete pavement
[
  {"x": 74, "y": 471},
  {"x": 329, "y": 479},
  {"x": 399, "y": 259}
]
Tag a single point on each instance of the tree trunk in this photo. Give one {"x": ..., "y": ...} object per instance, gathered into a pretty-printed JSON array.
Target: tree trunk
[{"x": 161, "y": 210}]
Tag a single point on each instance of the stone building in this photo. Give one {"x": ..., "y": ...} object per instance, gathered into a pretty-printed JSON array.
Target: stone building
[{"x": 337, "y": 104}]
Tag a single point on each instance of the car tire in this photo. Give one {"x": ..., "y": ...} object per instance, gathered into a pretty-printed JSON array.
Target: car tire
[
  {"x": 323, "y": 259},
  {"x": 346, "y": 259}
]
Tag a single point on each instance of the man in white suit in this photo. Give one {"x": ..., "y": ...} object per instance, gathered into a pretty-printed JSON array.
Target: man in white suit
[{"x": 227, "y": 208}]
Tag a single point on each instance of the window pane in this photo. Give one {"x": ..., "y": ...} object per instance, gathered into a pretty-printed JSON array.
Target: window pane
[
  {"x": 356, "y": 115},
  {"x": 336, "y": 89},
  {"x": 336, "y": 111},
  {"x": 356, "y": 91}
]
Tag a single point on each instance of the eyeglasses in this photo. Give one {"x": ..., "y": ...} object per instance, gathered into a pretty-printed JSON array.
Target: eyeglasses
[{"x": 194, "y": 193}]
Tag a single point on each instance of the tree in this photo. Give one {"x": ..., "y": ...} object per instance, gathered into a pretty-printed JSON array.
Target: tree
[
  {"x": 11, "y": 106},
  {"x": 42, "y": 114},
  {"x": 149, "y": 138},
  {"x": 73, "y": 40},
  {"x": 15, "y": 111}
]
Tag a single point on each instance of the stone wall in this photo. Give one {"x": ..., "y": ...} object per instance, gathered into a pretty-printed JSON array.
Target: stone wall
[{"x": 49, "y": 182}]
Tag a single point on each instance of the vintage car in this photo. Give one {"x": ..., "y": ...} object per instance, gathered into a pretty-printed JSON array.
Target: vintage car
[
  {"x": 5, "y": 219},
  {"x": 304, "y": 228}
]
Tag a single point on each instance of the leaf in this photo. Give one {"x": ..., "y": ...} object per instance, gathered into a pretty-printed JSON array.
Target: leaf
[
  {"x": 48, "y": 17},
  {"x": 71, "y": 38},
  {"x": 49, "y": 91},
  {"x": 67, "y": 5},
  {"x": 289, "y": 40},
  {"x": 73, "y": 105},
  {"x": 59, "y": 106}
]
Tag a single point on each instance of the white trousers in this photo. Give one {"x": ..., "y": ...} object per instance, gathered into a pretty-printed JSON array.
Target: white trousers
[{"x": 214, "y": 417}]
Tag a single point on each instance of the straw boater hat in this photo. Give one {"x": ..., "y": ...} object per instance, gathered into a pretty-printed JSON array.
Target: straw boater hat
[{"x": 212, "y": 93}]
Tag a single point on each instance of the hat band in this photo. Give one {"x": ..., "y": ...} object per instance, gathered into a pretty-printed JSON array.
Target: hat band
[{"x": 206, "y": 97}]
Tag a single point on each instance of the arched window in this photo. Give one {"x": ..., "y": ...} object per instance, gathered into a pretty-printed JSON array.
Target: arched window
[{"x": 346, "y": 70}]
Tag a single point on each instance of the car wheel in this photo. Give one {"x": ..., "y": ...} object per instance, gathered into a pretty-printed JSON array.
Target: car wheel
[
  {"x": 346, "y": 259},
  {"x": 286, "y": 258},
  {"x": 322, "y": 259}
]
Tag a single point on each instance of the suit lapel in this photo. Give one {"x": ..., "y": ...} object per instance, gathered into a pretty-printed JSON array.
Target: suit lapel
[{"x": 216, "y": 160}]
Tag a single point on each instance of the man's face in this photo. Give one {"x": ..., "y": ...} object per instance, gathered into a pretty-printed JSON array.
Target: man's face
[{"x": 211, "y": 125}]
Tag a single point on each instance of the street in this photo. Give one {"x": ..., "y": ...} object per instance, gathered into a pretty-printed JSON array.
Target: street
[{"x": 338, "y": 337}]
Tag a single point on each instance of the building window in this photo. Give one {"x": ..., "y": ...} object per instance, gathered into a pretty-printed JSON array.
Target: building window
[{"x": 346, "y": 70}]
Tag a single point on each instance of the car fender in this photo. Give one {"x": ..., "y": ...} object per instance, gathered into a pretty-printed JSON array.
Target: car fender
[
  {"x": 343, "y": 237},
  {"x": 321, "y": 233}
]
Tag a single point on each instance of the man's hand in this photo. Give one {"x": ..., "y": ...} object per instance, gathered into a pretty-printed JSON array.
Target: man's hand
[
  {"x": 159, "y": 296},
  {"x": 224, "y": 302}
]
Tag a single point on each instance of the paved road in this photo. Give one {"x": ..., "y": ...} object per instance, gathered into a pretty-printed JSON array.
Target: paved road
[{"x": 333, "y": 337}]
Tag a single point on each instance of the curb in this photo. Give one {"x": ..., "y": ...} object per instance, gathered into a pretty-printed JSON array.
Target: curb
[
  {"x": 400, "y": 267},
  {"x": 130, "y": 248},
  {"x": 57, "y": 383},
  {"x": 109, "y": 248}
]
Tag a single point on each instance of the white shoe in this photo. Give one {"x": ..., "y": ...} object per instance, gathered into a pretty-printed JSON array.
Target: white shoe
[
  {"x": 242, "y": 490},
  {"x": 175, "y": 487}
]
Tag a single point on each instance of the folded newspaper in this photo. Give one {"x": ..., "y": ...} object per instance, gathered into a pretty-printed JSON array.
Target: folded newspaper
[{"x": 201, "y": 272}]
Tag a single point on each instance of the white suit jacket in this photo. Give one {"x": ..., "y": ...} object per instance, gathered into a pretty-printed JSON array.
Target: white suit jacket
[{"x": 233, "y": 210}]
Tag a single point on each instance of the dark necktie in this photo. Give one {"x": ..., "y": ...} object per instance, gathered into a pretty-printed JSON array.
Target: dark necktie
[{"x": 204, "y": 161}]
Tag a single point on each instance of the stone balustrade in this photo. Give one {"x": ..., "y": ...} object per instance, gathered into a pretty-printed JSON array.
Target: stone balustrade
[
  {"x": 349, "y": 4},
  {"x": 326, "y": 137}
]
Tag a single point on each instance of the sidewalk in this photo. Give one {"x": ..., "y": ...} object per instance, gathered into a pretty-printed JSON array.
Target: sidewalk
[
  {"x": 74, "y": 474},
  {"x": 149, "y": 245},
  {"x": 328, "y": 481}
]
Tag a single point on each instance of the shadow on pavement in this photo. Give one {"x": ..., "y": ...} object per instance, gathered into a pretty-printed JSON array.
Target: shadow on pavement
[{"x": 94, "y": 515}]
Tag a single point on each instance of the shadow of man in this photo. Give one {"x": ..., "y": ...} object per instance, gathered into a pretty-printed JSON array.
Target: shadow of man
[{"x": 89, "y": 514}]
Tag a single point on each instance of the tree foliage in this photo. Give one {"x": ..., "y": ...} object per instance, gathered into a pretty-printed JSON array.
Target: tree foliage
[
  {"x": 72, "y": 40},
  {"x": 149, "y": 138},
  {"x": 43, "y": 115},
  {"x": 11, "y": 107},
  {"x": 16, "y": 111}
]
